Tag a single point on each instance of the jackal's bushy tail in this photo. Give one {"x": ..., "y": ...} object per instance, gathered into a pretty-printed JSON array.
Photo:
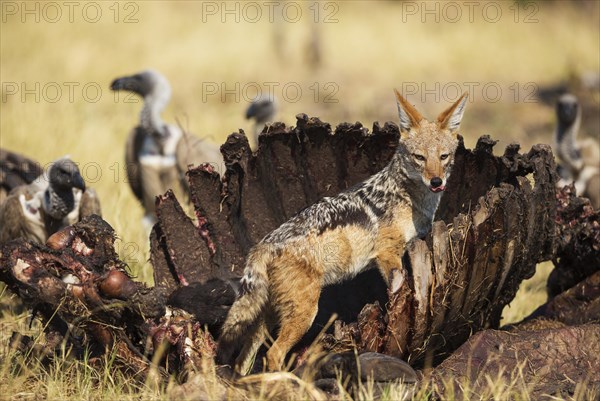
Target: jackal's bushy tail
[{"x": 249, "y": 307}]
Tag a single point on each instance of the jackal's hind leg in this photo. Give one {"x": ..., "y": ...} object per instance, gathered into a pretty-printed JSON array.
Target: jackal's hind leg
[
  {"x": 295, "y": 318},
  {"x": 255, "y": 338}
]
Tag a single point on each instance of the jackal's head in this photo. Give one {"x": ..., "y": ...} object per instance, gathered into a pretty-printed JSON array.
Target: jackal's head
[{"x": 427, "y": 148}]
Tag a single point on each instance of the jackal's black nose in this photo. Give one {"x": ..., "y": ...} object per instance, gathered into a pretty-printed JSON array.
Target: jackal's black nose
[{"x": 436, "y": 182}]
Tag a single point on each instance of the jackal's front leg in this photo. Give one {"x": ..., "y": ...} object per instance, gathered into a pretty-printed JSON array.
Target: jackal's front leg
[
  {"x": 390, "y": 248},
  {"x": 389, "y": 263}
]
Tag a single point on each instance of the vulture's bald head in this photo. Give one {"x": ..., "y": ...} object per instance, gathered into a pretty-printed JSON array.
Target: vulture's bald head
[
  {"x": 567, "y": 109},
  {"x": 64, "y": 174},
  {"x": 145, "y": 83}
]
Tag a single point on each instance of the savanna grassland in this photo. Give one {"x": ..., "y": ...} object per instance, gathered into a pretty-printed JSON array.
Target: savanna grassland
[{"x": 56, "y": 71}]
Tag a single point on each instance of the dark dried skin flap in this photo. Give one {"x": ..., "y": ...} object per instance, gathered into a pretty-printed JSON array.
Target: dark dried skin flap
[
  {"x": 205, "y": 191},
  {"x": 461, "y": 287},
  {"x": 164, "y": 272},
  {"x": 188, "y": 252}
]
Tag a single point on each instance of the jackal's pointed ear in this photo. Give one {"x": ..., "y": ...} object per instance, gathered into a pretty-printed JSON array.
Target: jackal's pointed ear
[
  {"x": 451, "y": 118},
  {"x": 409, "y": 116}
]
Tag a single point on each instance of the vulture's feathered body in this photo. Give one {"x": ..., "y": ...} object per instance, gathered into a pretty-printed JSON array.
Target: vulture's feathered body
[
  {"x": 54, "y": 200},
  {"x": 580, "y": 158},
  {"x": 262, "y": 110},
  {"x": 157, "y": 155}
]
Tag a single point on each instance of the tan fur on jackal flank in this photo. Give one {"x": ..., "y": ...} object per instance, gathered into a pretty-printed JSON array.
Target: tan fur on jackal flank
[{"x": 337, "y": 237}]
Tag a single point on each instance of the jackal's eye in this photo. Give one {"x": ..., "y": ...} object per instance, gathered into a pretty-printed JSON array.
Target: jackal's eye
[
  {"x": 444, "y": 156},
  {"x": 420, "y": 158}
]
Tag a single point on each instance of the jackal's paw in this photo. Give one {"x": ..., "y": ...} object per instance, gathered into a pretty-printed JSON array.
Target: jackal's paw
[
  {"x": 226, "y": 372},
  {"x": 396, "y": 280}
]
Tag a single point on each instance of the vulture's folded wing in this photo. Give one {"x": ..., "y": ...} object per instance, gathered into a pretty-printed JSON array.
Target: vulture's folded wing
[
  {"x": 133, "y": 147},
  {"x": 193, "y": 151},
  {"x": 16, "y": 170},
  {"x": 90, "y": 204}
]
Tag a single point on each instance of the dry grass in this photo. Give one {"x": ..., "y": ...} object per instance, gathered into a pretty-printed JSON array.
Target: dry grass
[{"x": 365, "y": 53}]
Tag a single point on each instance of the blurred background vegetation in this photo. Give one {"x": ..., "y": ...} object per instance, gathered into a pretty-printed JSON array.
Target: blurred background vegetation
[{"x": 335, "y": 60}]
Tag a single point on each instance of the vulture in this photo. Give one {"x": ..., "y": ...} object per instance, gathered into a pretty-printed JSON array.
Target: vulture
[
  {"x": 261, "y": 110},
  {"x": 54, "y": 200},
  {"x": 157, "y": 155},
  {"x": 16, "y": 170},
  {"x": 579, "y": 158}
]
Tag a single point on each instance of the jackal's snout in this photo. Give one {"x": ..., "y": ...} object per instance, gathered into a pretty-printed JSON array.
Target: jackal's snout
[{"x": 436, "y": 184}]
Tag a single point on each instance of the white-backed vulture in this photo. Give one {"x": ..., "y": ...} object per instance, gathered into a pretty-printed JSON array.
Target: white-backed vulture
[
  {"x": 54, "y": 200},
  {"x": 262, "y": 110},
  {"x": 157, "y": 155},
  {"x": 580, "y": 158}
]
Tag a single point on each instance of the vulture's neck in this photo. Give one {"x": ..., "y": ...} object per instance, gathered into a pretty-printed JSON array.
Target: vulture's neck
[
  {"x": 150, "y": 118},
  {"x": 58, "y": 203},
  {"x": 566, "y": 140}
]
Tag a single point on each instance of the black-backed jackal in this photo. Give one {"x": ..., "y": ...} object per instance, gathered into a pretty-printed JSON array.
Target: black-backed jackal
[{"x": 336, "y": 238}]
